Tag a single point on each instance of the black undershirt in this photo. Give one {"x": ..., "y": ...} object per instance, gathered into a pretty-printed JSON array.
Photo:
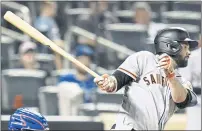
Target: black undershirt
[{"x": 122, "y": 79}]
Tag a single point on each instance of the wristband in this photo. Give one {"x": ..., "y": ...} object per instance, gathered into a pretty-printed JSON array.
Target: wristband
[{"x": 170, "y": 75}]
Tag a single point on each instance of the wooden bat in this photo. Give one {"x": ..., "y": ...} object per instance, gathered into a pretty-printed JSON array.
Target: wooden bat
[{"x": 35, "y": 34}]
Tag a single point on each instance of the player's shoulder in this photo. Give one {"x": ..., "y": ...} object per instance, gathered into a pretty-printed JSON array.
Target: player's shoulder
[
  {"x": 145, "y": 54},
  {"x": 148, "y": 53}
]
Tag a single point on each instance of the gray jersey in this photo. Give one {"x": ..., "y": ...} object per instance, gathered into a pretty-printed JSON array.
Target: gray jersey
[{"x": 147, "y": 103}]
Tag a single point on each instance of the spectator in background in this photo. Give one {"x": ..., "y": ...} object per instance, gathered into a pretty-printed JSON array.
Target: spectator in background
[
  {"x": 99, "y": 17},
  {"x": 143, "y": 15},
  {"x": 84, "y": 54},
  {"x": 27, "y": 51},
  {"x": 193, "y": 74},
  {"x": 46, "y": 24},
  {"x": 95, "y": 23}
]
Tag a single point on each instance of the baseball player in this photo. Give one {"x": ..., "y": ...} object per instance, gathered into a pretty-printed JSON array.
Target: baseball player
[
  {"x": 193, "y": 73},
  {"x": 154, "y": 89},
  {"x": 27, "y": 120}
]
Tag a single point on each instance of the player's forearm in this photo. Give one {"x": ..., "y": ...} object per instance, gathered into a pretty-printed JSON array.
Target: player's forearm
[
  {"x": 122, "y": 79},
  {"x": 178, "y": 92}
]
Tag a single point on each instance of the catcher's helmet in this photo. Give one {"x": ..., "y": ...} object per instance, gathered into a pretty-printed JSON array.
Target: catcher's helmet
[
  {"x": 25, "y": 119},
  {"x": 169, "y": 40}
]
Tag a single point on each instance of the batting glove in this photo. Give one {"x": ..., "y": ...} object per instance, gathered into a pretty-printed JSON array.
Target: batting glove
[
  {"x": 106, "y": 83},
  {"x": 166, "y": 63}
]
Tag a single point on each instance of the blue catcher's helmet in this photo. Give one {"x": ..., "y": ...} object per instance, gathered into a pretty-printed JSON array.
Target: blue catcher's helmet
[{"x": 25, "y": 119}]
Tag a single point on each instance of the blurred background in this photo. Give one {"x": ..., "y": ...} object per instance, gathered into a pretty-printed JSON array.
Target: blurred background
[{"x": 100, "y": 34}]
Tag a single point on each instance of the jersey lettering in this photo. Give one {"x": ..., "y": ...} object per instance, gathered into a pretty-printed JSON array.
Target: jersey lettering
[
  {"x": 146, "y": 80},
  {"x": 155, "y": 79}
]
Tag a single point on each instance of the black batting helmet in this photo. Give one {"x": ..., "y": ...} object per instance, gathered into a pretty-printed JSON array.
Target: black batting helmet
[{"x": 169, "y": 40}]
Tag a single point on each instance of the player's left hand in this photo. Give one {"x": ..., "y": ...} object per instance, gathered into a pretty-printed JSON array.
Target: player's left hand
[
  {"x": 106, "y": 83},
  {"x": 166, "y": 63}
]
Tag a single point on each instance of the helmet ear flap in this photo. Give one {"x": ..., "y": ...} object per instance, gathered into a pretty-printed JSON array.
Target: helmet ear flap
[
  {"x": 166, "y": 45},
  {"x": 175, "y": 46}
]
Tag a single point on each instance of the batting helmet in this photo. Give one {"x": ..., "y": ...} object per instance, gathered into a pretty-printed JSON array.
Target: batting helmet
[
  {"x": 25, "y": 119},
  {"x": 169, "y": 40}
]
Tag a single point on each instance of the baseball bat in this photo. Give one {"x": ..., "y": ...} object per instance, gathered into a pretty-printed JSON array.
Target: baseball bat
[{"x": 35, "y": 34}]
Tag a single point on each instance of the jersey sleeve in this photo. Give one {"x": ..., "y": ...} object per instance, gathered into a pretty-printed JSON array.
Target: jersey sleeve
[
  {"x": 186, "y": 84},
  {"x": 134, "y": 65}
]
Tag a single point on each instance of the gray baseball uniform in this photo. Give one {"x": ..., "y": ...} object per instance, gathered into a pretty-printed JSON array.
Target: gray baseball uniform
[{"x": 147, "y": 103}]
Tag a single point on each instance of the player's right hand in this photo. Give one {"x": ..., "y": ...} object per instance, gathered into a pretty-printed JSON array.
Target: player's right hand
[
  {"x": 106, "y": 83},
  {"x": 166, "y": 63}
]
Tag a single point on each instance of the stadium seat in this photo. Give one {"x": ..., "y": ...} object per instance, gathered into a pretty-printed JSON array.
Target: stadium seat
[
  {"x": 48, "y": 100},
  {"x": 133, "y": 36},
  {"x": 7, "y": 50},
  {"x": 20, "y": 87},
  {"x": 55, "y": 100},
  {"x": 187, "y": 6},
  {"x": 126, "y": 16},
  {"x": 105, "y": 103},
  {"x": 182, "y": 17},
  {"x": 158, "y": 6},
  {"x": 72, "y": 14}
]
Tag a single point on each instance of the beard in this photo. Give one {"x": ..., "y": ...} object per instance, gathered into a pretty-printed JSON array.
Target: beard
[{"x": 181, "y": 62}]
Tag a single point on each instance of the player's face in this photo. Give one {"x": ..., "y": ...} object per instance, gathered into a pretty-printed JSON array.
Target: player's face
[{"x": 184, "y": 55}]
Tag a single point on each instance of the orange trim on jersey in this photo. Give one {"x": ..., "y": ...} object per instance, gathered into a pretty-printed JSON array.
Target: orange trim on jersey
[{"x": 133, "y": 75}]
